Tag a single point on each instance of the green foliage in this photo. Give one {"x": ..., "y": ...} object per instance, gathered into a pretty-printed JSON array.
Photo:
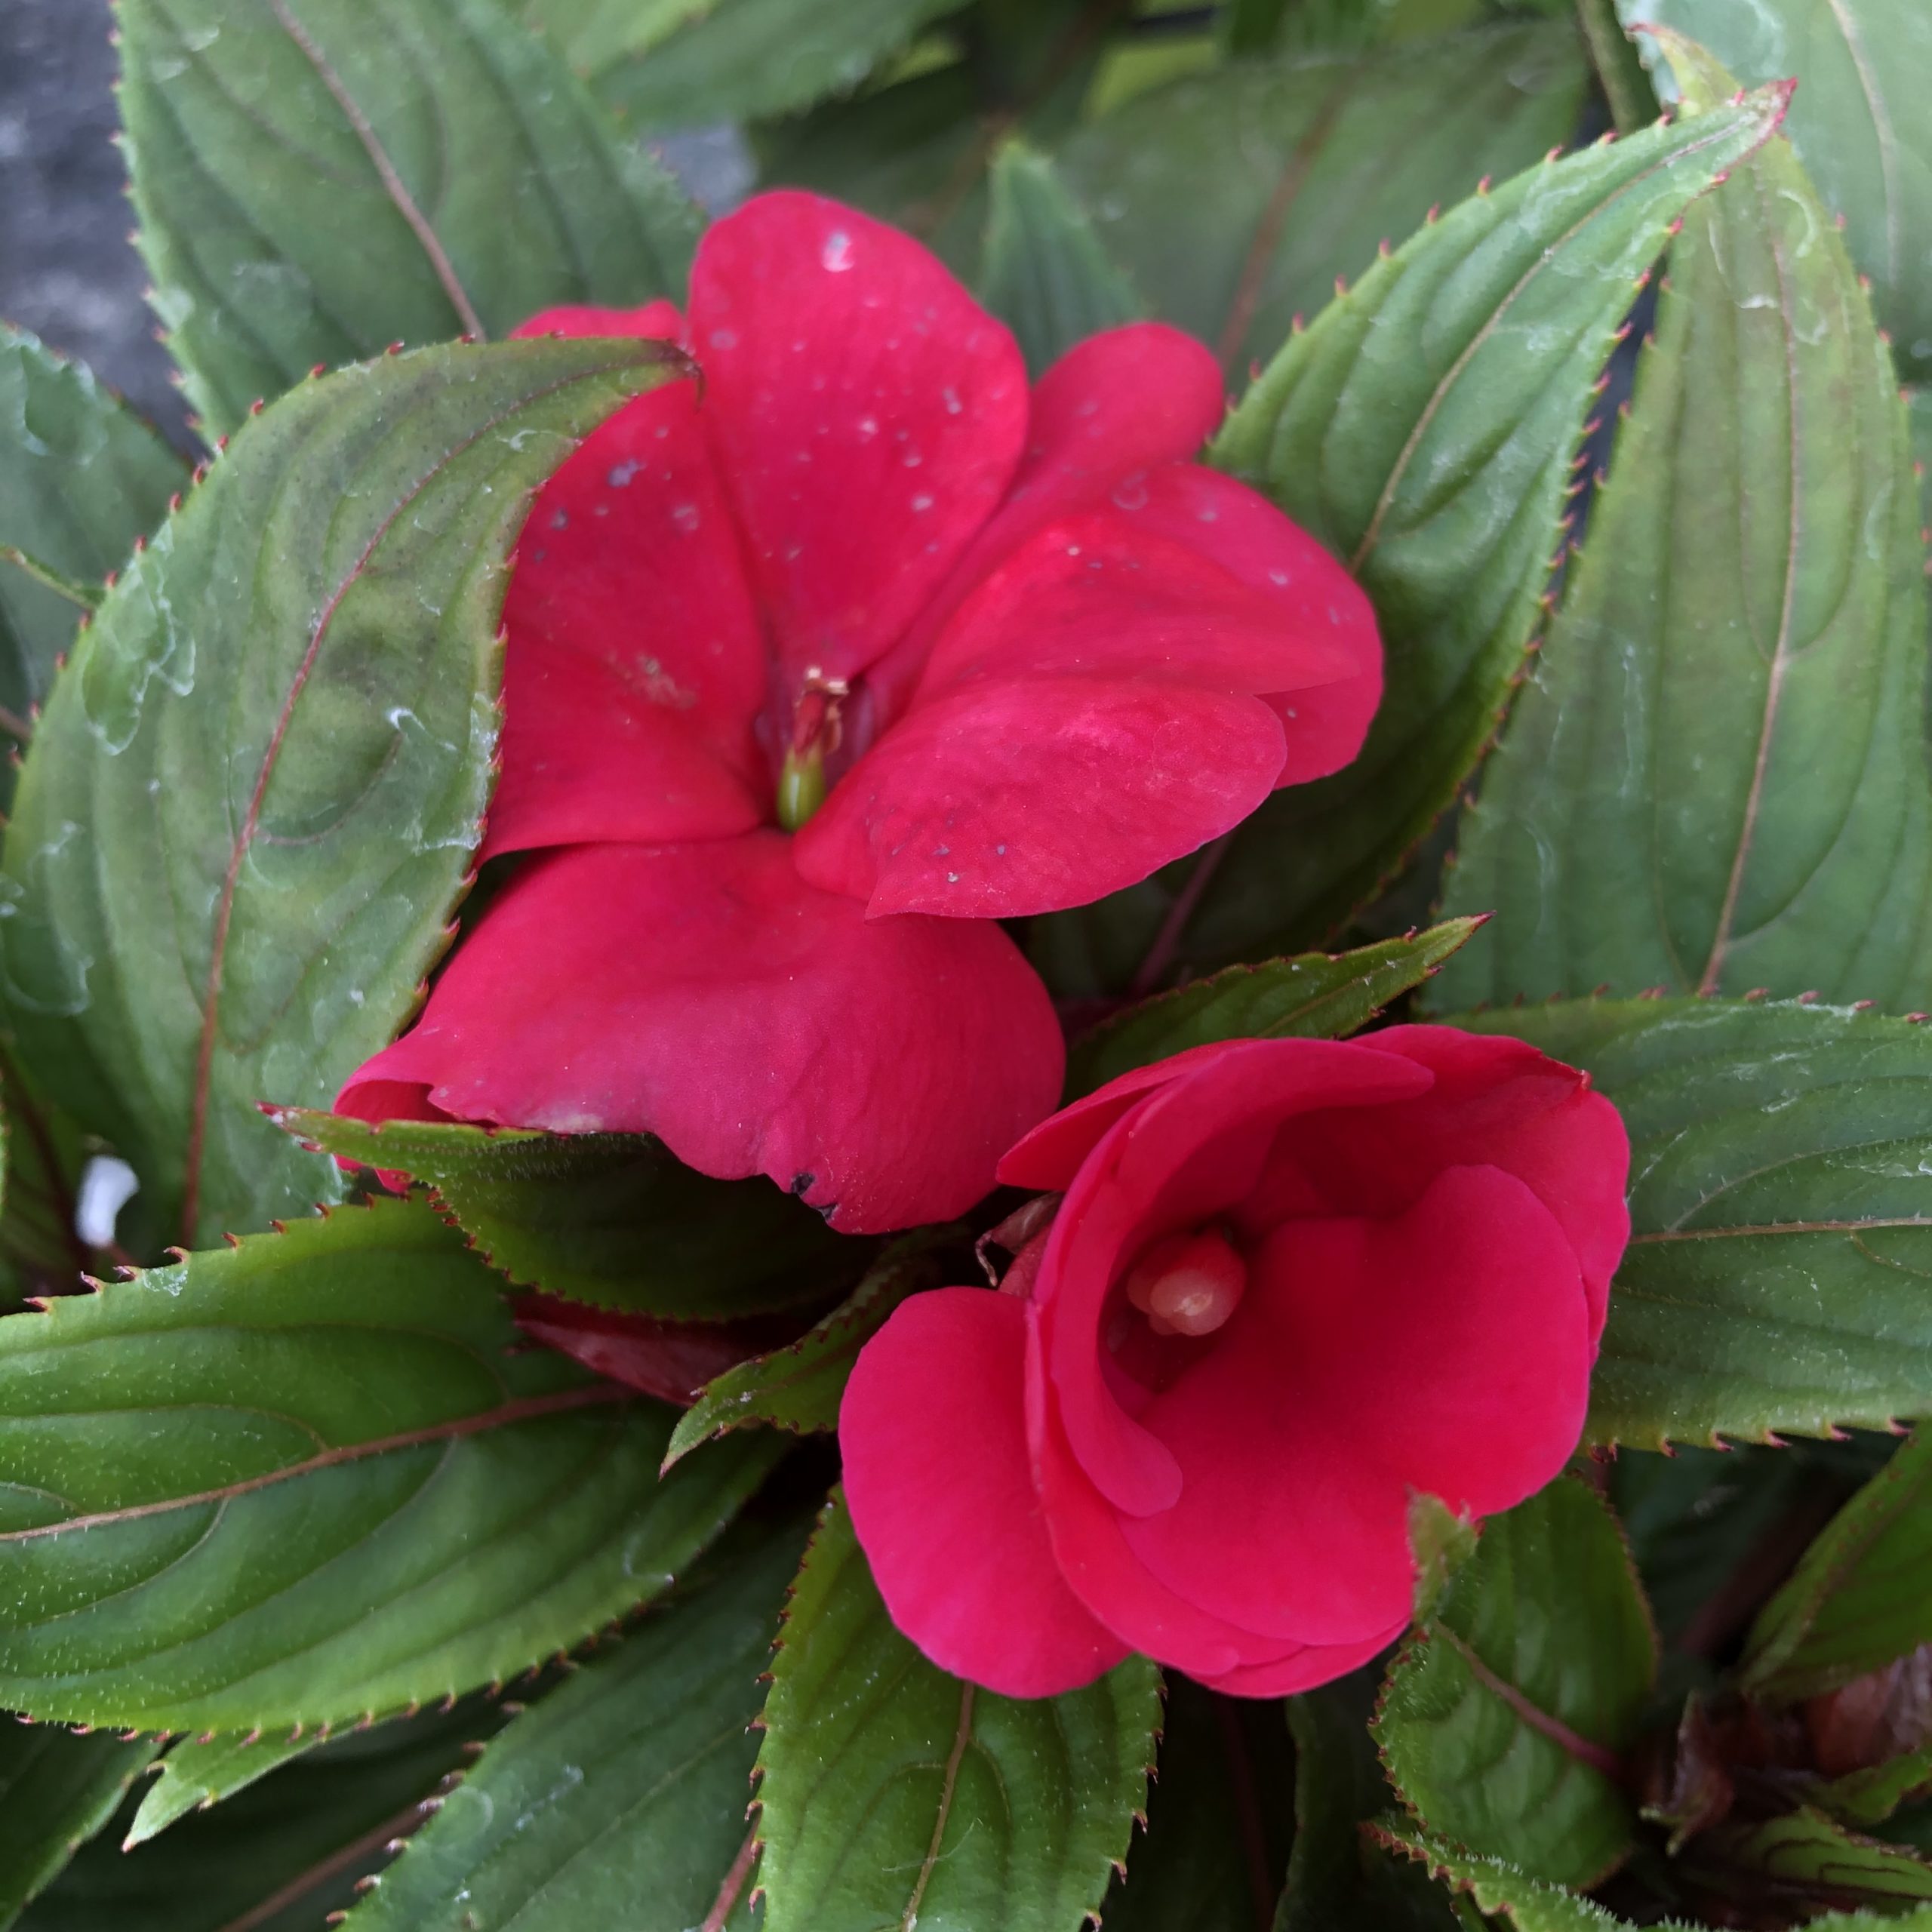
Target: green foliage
[
  {"x": 1808, "y": 1862},
  {"x": 1335, "y": 1882},
  {"x": 610, "y": 1219},
  {"x": 317, "y": 179},
  {"x": 1870, "y": 1796},
  {"x": 82, "y": 478},
  {"x": 620, "y": 1799},
  {"x": 57, "y": 1788},
  {"x": 1747, "y": 629},
  {"x": 312, "y": 1481},
  {"x": 253, "y": 797},
  {"x": 1862, "y": 1595},
  {"x": 1234, "y": 199},
  {"x": 1781, "y": 1209},
  {"x": 1504, "y": 1721},
  {"x": 891, "y": 1792},
  {"x": 1217, "y": 1819},
  {"x": 1864, "y": 69},
  {"x": 1500, "y": 1890},
  {"x": 278, "y": 1856},
  {"x": 1316, "y": 996},
  {"x": 199, "y": 1772},
  {"x": 42, "y": 1155},
  {"x": 681, "y": 63},
  {"x": 1044, "y": 272},
  {"x": 799, "y": 1387},
  {"x": 1423, "y": 428}
]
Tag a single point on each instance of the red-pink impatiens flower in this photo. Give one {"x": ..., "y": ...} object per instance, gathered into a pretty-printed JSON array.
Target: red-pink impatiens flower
[
  {"x": 1292, "y": 1284},
  {"x": 820, "y": 666}
]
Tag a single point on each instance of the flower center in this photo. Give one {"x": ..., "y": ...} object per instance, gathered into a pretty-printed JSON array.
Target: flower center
[
  {"x": 815, "y": 735},
  {"x": 1188, "y": 1283}
]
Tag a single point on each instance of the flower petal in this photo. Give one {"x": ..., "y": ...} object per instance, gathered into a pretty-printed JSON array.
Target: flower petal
[
  {"x": 932, "y": 1433},
  {"x": 705, "y": 994},
  {"x": 634, "y": 664},
  {"x": 670, "y": 1360},
  {"x": 1446, "y": 1351},
  {"x": 868, "y": 414},
  {"x": 1093, "y": 711},
  {"x": 1192, "y": 1151},
  {"x": 1495, "y": 1101},
  {"x": 1008, "y": 799},
  {"x": 1302, "y": 1667},
  {"x": 1317, "y": 599},
  {"x": 658, "y": 318}
]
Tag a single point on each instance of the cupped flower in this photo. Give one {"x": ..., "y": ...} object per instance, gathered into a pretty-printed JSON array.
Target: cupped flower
[
  {"x": 1291, "y": 1285},
  {"x": 985, "y": 653}
]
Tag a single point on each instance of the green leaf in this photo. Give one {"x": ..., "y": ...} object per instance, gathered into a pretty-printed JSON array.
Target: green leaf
[
  {"x": 1335, "y": 1882},
  {"x": 1234, "y": 199},
  {"x": 43, "y": 1154},
  {"x": 1695, "y": 1517},
  {"x": 610, "y": 1219},
  {"x": 681, "y": 63},
  {"x": 914, "y": 151},
  {"x": 56, "y": 1790},
  {"x": 891, "y": 1791},
  {"x": 276, "y": 1856},
  {"x": 1862, "y": 1596},
  {"x": 317, "y": 179},
  {"x": 1500, "y": 1889},
  {"x": 199, "y": 1772},
  {"x": 1504, "y": 1721},
  {"x": 1864, "y": 69},
  {"x": 1716, "y": 779},
  {"x": 1211, "y": 1857},
  {"x": 310, "y": 1478},
  {"x": 1423, "y": 428},
  {"x": 254, "y": 797},
  {"x": 1871, "y": 1795},
  {"x": 1781, "y": 1213},
  {"x": 1811, "y": 1863},
  {"x": 1316, "y": 996},
  {"x": 1044, "y": 272},
  {"x": 799, "y": 1387},
  {"x": 82, "y": 478},
  {"x": 620, "y": 1799}
]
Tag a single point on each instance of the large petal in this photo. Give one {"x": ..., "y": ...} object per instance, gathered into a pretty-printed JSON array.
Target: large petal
[
  {"x": 1494, "y": 1101},
  {"x": 1001, "y": 800},
  {"x": 1112, "y": 408},
  {"x": 634, "y": 664},
  {"x": 1096, "y": 709},
  {"x": 1302, "y": 1666},
  {"x": 1316, "y": 598},
  {"x": 867, "y": 412},
  {"x": 1447, "y": 1351},
  {"x": 1192, "y": 1151},
  {"x": 932, "y": 1431},
  {"x": 705, "y": 994}
]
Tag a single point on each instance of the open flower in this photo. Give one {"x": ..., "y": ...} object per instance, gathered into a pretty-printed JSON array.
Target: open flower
[
  {"x": 821, "y": 664},
  {"x": 1292, "y": 1283}
]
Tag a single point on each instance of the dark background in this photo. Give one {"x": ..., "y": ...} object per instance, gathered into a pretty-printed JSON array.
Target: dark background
[{"x": 67, "y": 270}]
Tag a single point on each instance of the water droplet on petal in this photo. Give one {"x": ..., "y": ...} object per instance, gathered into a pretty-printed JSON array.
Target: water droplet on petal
[
  {"x": 922, "y": 502},
  {"x": 837, "y": 254},
  {"x": 685, "y": 516},
  {"x": 1130, "y": 492},
  {"x": 620, "y": 475},
  {"x": 723, "y": 338}
]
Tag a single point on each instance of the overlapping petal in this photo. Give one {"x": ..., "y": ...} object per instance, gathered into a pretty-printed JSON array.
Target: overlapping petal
[
  {"x": 1093, "y": 710},
  {"x": 705, "y": 994},
  {"x": 867, "y": 414},
  {"x": 967, "y": 1572}
]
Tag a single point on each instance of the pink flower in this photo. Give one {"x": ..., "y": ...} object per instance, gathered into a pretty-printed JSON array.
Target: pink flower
[
  {"x": 1291, "y": 1284},
  {"x": 995, "y": 653}
]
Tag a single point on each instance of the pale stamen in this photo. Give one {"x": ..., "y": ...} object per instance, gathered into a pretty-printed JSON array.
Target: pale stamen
[{"x": 1189, "y": 1284}]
